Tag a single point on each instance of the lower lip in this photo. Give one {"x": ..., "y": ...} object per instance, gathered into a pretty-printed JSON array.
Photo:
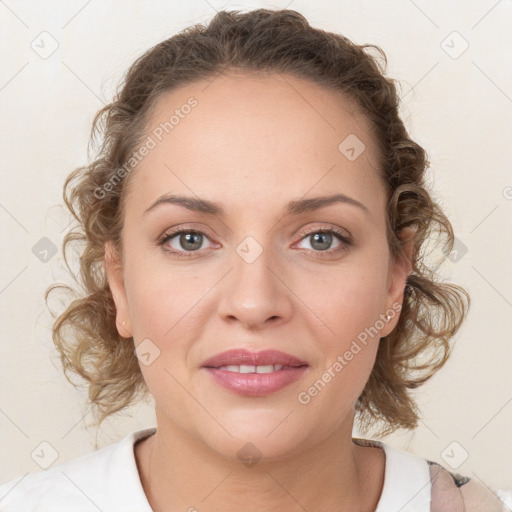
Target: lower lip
[{"x": 256, "y": 384}]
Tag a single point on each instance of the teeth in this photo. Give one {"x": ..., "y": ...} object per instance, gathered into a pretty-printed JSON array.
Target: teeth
[{"x": 245, "y": 368}]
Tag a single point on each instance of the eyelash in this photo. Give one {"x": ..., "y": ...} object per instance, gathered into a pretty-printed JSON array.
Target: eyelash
[{"x": 345, "y": 241}]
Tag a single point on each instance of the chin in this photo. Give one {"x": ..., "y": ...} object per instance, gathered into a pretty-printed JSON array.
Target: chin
[
  {"x": 256, "y": 450},
  {"x": 256, "y": 436}
]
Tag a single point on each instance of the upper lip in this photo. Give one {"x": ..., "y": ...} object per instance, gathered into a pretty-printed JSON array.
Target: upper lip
[{"x": 246, "y": 357}]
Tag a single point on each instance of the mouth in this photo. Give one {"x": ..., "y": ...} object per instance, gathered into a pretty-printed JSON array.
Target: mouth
[
  {"x": 245, "y": 368},
  {"x": 251, "y": 362},
  {"x": 254, "y": 373}
]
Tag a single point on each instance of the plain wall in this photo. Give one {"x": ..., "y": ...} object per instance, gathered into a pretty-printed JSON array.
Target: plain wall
[{"x": 459, "y": 107}]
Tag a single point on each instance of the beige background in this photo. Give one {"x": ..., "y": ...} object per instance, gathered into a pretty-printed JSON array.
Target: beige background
[{"x": 458, "y": 106}]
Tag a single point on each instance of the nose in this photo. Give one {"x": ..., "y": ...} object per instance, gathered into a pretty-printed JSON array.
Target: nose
[{"x": 255, "y": 293}]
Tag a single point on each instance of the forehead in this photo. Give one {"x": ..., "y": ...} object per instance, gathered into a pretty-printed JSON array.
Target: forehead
[{"x": 240, "y": 138}]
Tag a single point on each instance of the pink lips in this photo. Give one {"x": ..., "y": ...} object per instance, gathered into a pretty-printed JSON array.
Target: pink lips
[
  {"x": 242, "y": 356},
  {"x": 255, "y": 384}
]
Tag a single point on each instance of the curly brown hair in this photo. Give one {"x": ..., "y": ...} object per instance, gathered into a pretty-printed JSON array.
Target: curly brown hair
[{"x": 278, "y": 41}]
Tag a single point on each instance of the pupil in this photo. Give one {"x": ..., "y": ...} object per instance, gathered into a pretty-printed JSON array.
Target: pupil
[
  {"x": 188, "y": 238},
  {"x": 322, "y": 236}
]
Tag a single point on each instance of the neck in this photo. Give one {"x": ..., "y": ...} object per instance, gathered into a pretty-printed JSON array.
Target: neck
[{"x": 179, "y": 472}]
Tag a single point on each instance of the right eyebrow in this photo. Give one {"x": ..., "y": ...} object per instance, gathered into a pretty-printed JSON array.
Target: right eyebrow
[{"x": 191, "y": 203}]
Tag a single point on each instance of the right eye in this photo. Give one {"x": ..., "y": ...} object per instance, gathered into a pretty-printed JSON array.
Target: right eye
[{"x": 190, "y": 240}]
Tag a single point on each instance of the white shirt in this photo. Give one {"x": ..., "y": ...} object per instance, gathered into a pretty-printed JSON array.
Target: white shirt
[{"x": 107, "y": 480}]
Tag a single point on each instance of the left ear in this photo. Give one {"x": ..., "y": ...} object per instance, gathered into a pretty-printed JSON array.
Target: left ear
[{"x": 399, "y": 270}]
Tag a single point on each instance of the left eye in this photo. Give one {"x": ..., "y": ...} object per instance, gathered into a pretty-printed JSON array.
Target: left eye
[{"x": 322, "y": 239}]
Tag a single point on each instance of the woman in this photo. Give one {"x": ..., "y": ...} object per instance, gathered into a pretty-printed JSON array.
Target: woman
[{"x": 252, "y": 230}]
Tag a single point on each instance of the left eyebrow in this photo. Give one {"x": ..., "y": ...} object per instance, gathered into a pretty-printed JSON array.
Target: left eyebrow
[
  {"x": 315, "y": 203},
  {"x": 295, "y": 207}
]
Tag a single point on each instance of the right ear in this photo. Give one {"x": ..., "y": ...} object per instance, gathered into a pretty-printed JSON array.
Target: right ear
[{"x": 114, "y": 274}]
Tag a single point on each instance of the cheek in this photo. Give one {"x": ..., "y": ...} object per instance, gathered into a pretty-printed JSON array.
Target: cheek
[
  {"x": 348, "y": 298},
  {"x": 347, "y": 302},
  {"x": 348, "y": 305},
  {"x": 162, "y": 311},
  {"x": 152, "y": 306},
  {"x": 160, "y": 297}
]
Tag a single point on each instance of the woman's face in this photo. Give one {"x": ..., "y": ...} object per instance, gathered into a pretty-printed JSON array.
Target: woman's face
[{"x": 257, "y": 275}]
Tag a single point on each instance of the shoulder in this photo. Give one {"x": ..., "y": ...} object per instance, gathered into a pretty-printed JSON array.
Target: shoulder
[
  {"x": 83, "y": 484},
  {"x": 415, "y": 484},
  {"x": 66, "y": 484},
  {"x": 457, "y": 493}
]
